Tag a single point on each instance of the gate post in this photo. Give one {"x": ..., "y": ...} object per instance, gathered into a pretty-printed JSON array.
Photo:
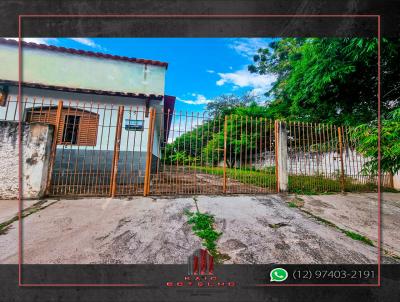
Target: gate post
[
  {"x": 341, "y": 159},
  {"x": 281, "y": 156},
  {"x": 117, "y": 145},
  {"x": 54, "y": 146},
  {"x": 225, "y": 145},
  {"x": 149, "y": 155}
]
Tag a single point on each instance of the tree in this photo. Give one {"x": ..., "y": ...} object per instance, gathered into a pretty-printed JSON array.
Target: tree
[
  {"x": 331, "y": 79},
  {"x": 246, "y": 131},
  {"x": 367, "y": 137},
  {"x": 205, "y": 143},
  {"x": 244, "y": 136},
  {"x": 227, "y": 103},
  {"x": 186, "y": 149}
]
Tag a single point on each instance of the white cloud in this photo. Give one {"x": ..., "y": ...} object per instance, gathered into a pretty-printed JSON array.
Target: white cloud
[
  {"x": 198, "y": 100},
  {"x": 46, "y": 41},
  {"x": 87, "y": 42},
  {"x": 243, "y": 78},
  {"x": 210, "y": 71},
  {"x": 248, "y": 47}
]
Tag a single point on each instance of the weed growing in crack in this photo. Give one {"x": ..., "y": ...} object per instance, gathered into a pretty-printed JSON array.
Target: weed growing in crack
[
  {"x": 203, "y": 227},
  {"x": 359, "y": 237}
]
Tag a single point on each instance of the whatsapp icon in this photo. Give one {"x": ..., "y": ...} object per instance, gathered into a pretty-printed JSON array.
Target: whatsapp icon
[{"x": 278, "y": 275}]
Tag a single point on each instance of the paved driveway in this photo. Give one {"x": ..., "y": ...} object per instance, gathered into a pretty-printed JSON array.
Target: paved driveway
[{"x": 256, "y": 229}]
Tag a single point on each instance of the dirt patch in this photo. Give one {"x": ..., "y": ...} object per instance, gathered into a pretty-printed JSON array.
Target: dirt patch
[{"x": 180, "y": 180}]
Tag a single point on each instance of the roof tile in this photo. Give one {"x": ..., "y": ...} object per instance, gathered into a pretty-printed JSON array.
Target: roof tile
[{"x": 84, "y": 53}]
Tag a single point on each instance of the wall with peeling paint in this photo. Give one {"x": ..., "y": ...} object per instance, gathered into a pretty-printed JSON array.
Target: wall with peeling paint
[{"x": 36, "y": 145}]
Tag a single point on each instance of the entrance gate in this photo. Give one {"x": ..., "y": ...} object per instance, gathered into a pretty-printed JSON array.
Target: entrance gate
[{"x": 108, "y": 150}]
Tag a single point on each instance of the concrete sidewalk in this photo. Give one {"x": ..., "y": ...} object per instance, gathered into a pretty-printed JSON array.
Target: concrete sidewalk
[
  {"x": 9, "y": 208},
  {"x": 359, "y": 213},
  {"x": 256, "y": 229}
]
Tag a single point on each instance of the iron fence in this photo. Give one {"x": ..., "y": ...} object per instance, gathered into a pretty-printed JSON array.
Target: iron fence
[
  {"x": 103, "y": 149},
  {"x": 214, "y": 155}
]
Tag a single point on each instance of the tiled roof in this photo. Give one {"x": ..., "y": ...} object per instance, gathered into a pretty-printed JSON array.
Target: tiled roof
[{"x": 83, "y": 52}]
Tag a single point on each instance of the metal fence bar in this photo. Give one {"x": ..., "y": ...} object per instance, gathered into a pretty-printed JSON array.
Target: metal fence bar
[
  {"x": 225, "y": 146},
  {"x": 149, "y": 153},
  {"x": 341, "y": 159},
  {"x": 276, "y": 155},
  {"x": 117, "y": 146},
  {"x": 54, "y": 145}
]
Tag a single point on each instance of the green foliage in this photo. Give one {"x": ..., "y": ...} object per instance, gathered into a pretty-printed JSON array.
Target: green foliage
[
  {"x": 203, "y": 227},
  {"x": 246, "y": 127},
  {"x": 358, "y": 237},
  {"x": 367, "y": 135},
  {"x": 243, "y": 138},
  {"x": 324, "y": 80},
  {"x": 330, "y": 79},
  {"x": 186, "y": 149}
]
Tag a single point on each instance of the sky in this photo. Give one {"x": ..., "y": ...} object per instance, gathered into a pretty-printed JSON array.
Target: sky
[{"x": 199, "y": 69}]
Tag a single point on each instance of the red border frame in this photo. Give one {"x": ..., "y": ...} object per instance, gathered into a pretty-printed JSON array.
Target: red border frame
[{"x": 189, "y": 16}]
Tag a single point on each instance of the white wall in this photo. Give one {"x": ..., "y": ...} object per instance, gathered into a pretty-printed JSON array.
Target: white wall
[
  {"x": 79, "y": 71},
  {"x": 134, "y": 108},
  {"x": 316, "y": 164}
]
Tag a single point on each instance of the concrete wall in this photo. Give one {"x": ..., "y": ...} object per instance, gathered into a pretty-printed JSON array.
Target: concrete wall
[
  {"x": 313, "y": 163},
  {"x": 36, "y": 146},
  {"x": 326, "y": 164},
  {"x": 396, "y": 181}
]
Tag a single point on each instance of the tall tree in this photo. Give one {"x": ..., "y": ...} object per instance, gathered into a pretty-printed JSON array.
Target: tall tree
[{"x": 330, "y": 79}]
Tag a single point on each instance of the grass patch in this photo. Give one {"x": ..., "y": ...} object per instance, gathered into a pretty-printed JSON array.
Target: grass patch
[
  {"x": 260, "y": 178},
  {"x": 348, "y": 233},
  {"x": 298, "y": 184},
  {"x": 358, "y": 237},
  {"x": 296, "y": 202}
]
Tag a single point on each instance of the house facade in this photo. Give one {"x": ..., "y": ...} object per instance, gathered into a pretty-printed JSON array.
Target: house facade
[{"x": 94, "y": 101}]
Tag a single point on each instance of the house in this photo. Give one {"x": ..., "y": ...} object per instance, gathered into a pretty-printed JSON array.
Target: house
[{"x": 95, "y": 101}]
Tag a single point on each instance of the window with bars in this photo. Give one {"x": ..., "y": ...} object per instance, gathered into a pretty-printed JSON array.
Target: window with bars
[
  {"x": 77, "y": 126},
  {"x": 71, "y": 129}
]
